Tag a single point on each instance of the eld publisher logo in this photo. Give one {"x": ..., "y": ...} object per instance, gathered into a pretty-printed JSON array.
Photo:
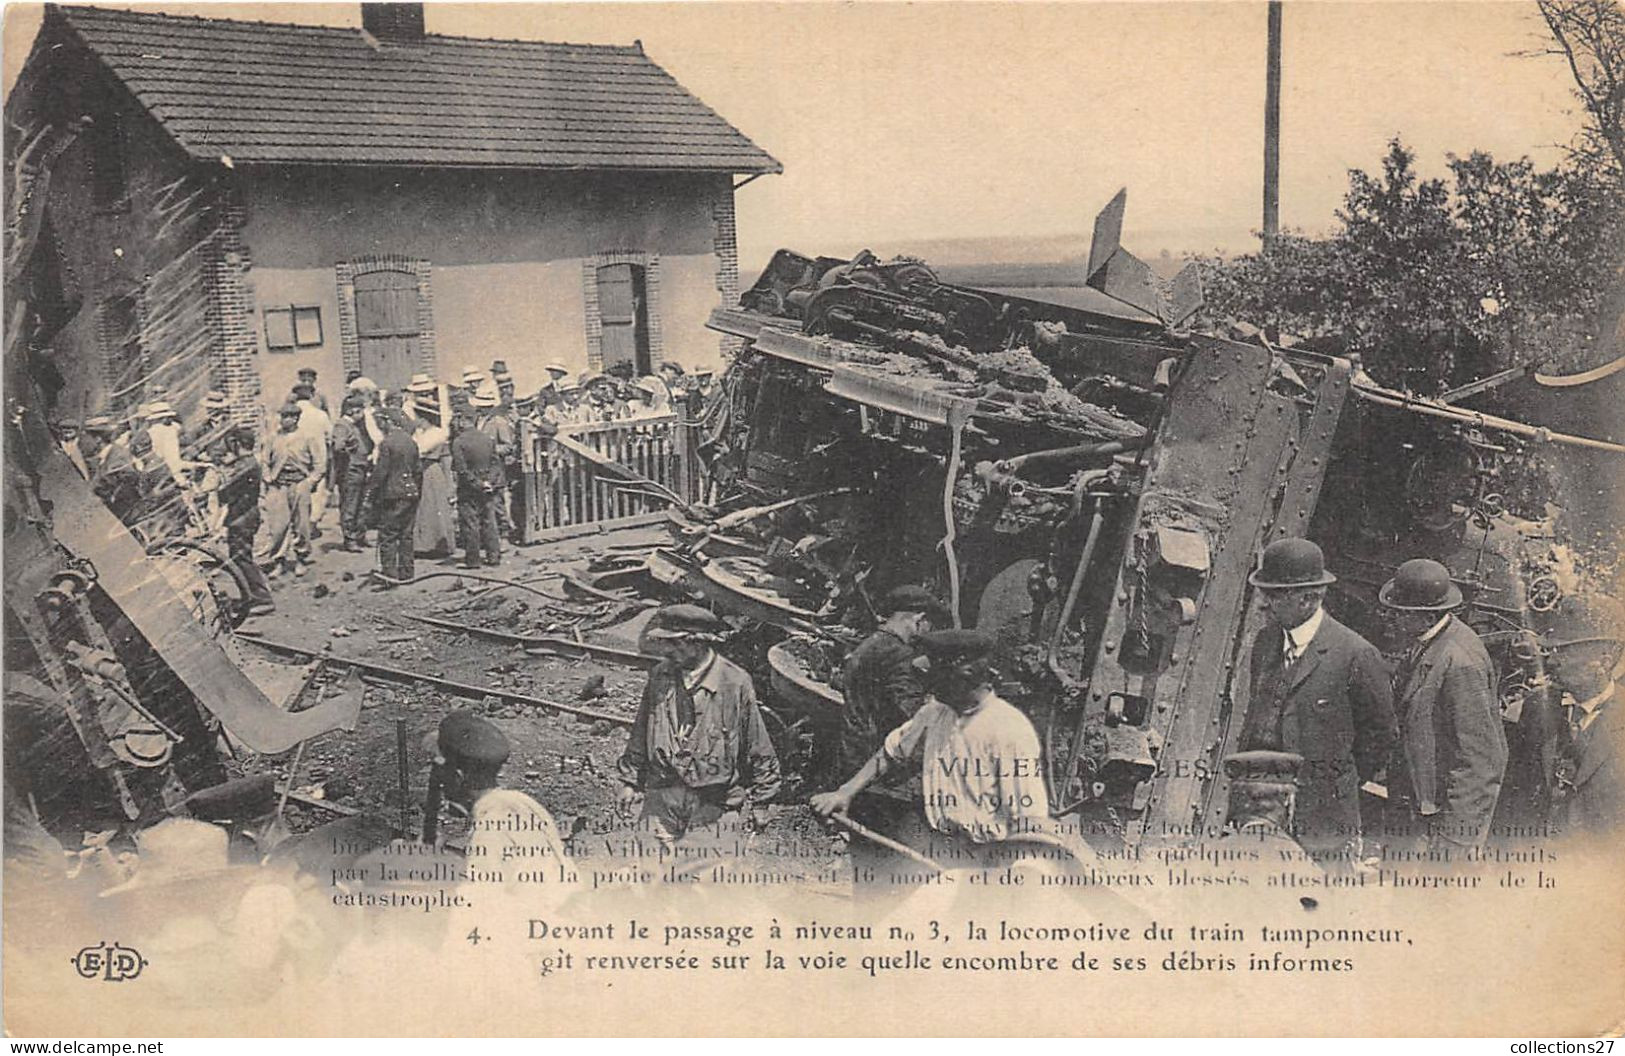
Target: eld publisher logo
[{"x": 110, "y": 964}]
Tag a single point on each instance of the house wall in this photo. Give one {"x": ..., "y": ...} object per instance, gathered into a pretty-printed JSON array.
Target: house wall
[
  {"x": 509, "y": 258},
  {"x": 134, "y": 242}
]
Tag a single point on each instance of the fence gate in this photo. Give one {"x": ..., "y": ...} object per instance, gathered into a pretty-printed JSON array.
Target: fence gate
[{"x": 578, "y": 481}]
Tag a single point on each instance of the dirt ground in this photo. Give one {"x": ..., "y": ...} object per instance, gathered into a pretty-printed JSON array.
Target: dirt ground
[{"x": 566, "y": 762}]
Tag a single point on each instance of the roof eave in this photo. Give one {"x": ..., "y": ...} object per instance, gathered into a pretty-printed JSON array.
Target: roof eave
[{"x": 773, "y": 169}]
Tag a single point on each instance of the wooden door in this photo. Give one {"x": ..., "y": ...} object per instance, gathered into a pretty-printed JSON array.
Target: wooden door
[
  {"x": 623, "y": 317},
  {"x": 386, "y": 322}
]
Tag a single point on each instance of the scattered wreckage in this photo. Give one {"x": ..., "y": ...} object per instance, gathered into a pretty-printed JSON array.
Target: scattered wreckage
[{"x": 1092, "y": 480}]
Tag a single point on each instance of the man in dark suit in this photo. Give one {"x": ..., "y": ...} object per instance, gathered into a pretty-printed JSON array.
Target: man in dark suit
[
  {"x": 1584, "y": 648},
  {"x": 476, "y": 466},
  {"x": 1319, "y": 690},
  {"x": 1449, "y": 708},
  {"x": 396, "y": 486}
]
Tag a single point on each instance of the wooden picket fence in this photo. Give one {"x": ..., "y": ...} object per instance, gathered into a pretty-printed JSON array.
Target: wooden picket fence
[{"x": 569, "y": 487}]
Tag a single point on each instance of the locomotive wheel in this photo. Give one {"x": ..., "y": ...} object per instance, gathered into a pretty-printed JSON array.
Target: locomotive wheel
[{"x": 227, "y": 585}]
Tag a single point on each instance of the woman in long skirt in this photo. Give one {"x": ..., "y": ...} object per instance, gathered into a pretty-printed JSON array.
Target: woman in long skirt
[{"x": 435, "y": 533}]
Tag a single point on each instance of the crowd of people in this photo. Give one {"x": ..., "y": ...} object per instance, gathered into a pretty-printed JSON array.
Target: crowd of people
[
  {"x": 430, "y": 469},
  {"x": 939, "y": 762}
]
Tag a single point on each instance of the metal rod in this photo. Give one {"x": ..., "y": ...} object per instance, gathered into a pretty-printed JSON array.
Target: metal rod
[
  {"x": 401, "y": 765},
  {"x": 1078, "y": 453},
  {"x": 1473, "y": 388},
  {"x": 1272, "y": 126},
  {"x": 1463, "y": 416},
  {"x": 886, "y": 841},
  {"x": 293, "y": 773},
  {"x": 445, "y": 685}
]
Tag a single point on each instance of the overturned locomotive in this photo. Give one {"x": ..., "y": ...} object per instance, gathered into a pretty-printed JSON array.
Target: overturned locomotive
[{"x": 1093, "y": 481}]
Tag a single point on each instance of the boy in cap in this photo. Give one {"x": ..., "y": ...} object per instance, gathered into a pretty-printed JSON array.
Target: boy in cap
[
  {"x": 982, "y": 767},
  {"x": 1449, "y": 707},
  {"x": 698, "y": 748},
  {"x": 1319, "y": 690},
  {"x": 509, "y": 831}
]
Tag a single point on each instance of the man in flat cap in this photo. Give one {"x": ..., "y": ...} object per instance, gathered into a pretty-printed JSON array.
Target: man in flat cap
[
  {"x": 699, "y": 748},
  {"x": 1583, "y": 650},
  {"x": 307, "y": 378},
  {"x": 982, "y": 767},
  {"x": 296, "y": 462},
  {"x": 1449, "y": 707},
  {"x": 510, "y": 832},
  {"x": 881, "y": 685},
  {"x": 1319, "y": 690}
]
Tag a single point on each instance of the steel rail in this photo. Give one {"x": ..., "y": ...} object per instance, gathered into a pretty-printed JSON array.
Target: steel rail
[
  {"x": 545, "y": 642},
  {"x": 445, "y": 685}
]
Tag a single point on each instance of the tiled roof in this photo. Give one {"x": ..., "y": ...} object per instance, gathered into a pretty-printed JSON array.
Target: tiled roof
[{"x": 276, "y": 93}]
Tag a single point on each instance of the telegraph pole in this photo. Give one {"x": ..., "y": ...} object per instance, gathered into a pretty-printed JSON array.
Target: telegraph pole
[{"x": 1272, "y": 127}]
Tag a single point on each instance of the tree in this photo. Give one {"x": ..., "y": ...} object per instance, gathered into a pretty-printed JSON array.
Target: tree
[
  {"x": 1590, "y": 37},
  {"x": 1436, "y": 282}
]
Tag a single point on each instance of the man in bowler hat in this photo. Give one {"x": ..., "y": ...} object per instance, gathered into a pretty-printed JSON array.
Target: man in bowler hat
[
  {"x": 1319, "y": 690},
  {"x": 1449, "y": 708}
]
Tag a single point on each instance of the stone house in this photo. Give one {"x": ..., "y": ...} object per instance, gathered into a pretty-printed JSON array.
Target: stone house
[{"x": 217, "y": 204}]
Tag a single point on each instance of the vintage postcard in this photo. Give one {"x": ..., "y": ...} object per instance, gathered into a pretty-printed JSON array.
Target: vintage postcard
[{"x": 814, "y": 519}]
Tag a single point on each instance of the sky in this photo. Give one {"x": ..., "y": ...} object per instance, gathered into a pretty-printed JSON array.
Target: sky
[{"x": 911, "y": 122}]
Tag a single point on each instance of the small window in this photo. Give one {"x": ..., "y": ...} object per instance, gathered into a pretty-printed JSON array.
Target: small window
[
  {"x": 296, "y": 326},
  {"x": 307, "y": 326}
]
